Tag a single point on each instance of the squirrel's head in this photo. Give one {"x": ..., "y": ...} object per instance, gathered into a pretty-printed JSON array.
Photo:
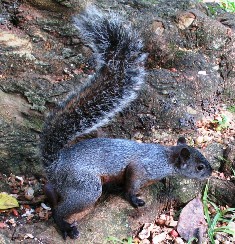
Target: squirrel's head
[{"x": 189, "y": 162}]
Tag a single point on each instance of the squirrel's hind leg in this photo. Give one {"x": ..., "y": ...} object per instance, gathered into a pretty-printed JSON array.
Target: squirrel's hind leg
[
  {"x": 51, "y": 194},
  {"x": 77, "y": 197}
]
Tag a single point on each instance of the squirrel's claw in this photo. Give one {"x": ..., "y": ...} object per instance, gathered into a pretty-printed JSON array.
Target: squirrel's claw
[
  {"x": 70, "y": 230},
  {"x": 64, "y": 234},
  {"x": 135, "y": 201},
  {"x": 73, "y": 233},
  {"x": 139, "y": 202}
]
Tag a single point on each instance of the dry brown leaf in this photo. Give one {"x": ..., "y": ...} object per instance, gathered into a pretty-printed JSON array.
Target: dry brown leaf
[
  {"x": 2, "y": 225},
  {"x": 145, "y": 233}
]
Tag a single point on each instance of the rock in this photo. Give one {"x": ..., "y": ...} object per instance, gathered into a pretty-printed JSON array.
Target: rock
[
  {"x": 214, "y": 153},
  {"x": 184, "y": 189},
  {"x": 221, "y": 191},
  {"x": 197, "y": 226},
  {"x": 113, "y": 216}
]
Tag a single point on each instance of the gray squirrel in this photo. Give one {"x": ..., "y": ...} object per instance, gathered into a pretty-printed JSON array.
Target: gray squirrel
[{"x": 76, "y": 173}]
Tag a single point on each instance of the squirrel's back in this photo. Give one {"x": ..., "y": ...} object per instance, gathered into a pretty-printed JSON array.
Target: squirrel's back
[
  {"x": 108, "y": 152},
  {"x": 110, "y": 157},
  {"x": 119, "y": 75}
]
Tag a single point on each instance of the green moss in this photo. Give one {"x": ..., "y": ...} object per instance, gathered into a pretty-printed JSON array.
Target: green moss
[
  {"x": 34, "y": 123},
  {"x": 231, "y": 109},
  {"x": 179, "y": 54},
  {"x": 37, "y": 101}
]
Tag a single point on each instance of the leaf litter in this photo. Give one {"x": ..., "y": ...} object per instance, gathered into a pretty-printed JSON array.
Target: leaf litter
[{"x": 23, "y": 204}]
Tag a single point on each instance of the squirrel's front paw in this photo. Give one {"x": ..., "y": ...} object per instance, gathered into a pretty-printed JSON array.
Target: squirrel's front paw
[
  {"x": 135, "y": 201},
  {"x": 69, "y": 230}
]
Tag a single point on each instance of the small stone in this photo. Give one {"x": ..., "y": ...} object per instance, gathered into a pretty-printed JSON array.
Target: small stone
[
  {"x": 157, "y": 27},
  {"x": 190, "y": 110},
  {"x": 231, "y": 226},
  {"x": 44, "y": 206},
  {"x": 29, "y": 193},
  {"x": 28, "y": 235},
  {"x": 207, "y": 138},
  {"x": 145, "y": 241},
  {"x": 174, "y": 233},
  {"x": 20, "y": 179},
  {"x": 216, "y": 67},
  {"x": 165, "y": 92},
  {"x": 173, "y": 223},
  {"x": 199, "y": 140},
  {"x": 202, "y": 72},
  {"x": 178, "y": 240},
  {"x": 185, "y": 20},
  {"x": 159, "y": 238}
]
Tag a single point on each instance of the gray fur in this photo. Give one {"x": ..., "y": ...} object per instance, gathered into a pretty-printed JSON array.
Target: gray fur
[{"x": 105, "y": 156}]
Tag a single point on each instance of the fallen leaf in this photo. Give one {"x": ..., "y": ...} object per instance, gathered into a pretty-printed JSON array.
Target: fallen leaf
[
  {"x": 28, "y": 235},
  {"x": 160, "y": 222},
  {"x": 2, "y": 225},
  {"x": 7, "y": 201},
  {"x": 15, "y": 212},
  {"x": 174, "y": 233},
  {"x": 145, "y": 232},
  {"x": 28, "y": 213},
  {"x": 44, "y": 206},
  {"x": 20, "y": 179}
]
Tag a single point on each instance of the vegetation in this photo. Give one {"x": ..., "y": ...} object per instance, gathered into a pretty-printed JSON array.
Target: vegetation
[
  {"x": 233, "y": 170},
  {"x": 228, "y": 5},
  {"x": 231, "y": 109},
  {"x": 193, "y": 240},
  {"x": 221, "y": 123},
  {"x": 219, "y": 221}
]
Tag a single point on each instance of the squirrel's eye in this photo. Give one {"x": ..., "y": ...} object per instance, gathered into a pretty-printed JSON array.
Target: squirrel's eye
[{"x": 200, "y": 167}]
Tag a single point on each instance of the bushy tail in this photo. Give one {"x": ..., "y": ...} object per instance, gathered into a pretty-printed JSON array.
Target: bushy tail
[{"x": 119, "y": 75}]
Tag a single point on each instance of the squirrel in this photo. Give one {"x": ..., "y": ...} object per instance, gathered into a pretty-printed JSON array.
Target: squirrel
[{"x": 76, "y": 173}]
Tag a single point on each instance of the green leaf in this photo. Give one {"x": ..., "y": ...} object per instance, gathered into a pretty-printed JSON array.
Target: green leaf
[
  {"x": 215, "y": 220},
  {"x": 225, "y": 229}
]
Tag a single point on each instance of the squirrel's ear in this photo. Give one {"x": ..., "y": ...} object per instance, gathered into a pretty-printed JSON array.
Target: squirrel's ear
[
  {"x": 184, "y": 153},
  {"x": 181, "y": 141}
]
